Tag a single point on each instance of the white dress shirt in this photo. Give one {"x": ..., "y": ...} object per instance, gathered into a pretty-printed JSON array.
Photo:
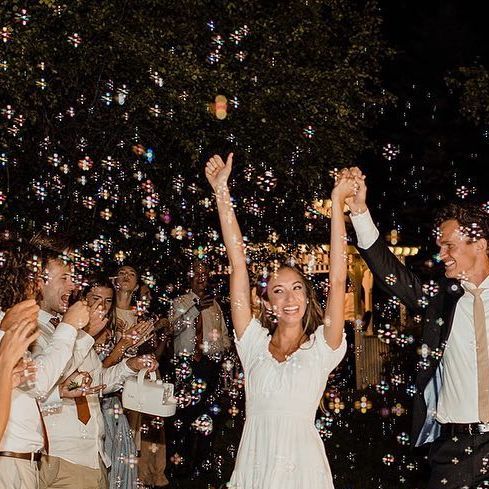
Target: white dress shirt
[
  {"x": 83, "y": 344},
  {"x": 74, "y": 441},
  {"x": 69, "y": 438},
  {"x": 458, "y": 401},
  {"x": 24, "y": 431},
  {"x": 183, "y": 315}
]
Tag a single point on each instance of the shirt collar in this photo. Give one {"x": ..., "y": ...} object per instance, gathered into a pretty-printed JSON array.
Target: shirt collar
[
  {"x": 470, "y": 286},
  {"x": 44, "y": 317}
]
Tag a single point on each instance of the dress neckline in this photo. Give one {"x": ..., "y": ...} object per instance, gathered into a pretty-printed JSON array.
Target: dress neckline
[{"x": 287, "y": 358}]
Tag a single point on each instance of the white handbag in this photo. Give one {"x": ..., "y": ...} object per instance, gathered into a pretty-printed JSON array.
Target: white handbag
[{"x": 149, "y": 396}]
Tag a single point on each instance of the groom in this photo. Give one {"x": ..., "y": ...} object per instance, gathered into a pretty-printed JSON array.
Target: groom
[{"x": 451, "y": 405}]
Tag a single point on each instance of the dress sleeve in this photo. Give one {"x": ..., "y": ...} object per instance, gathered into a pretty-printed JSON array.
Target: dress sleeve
[
  {"x": 329, "y": 358},
  {"x": 251, "y": 343}
]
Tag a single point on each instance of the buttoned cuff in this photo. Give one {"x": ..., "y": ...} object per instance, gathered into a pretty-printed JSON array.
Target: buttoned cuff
[{"x": 366, "y": 230}]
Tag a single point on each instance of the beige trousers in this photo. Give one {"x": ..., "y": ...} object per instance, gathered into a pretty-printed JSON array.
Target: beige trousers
[
  {"x": 57, "y": 473},
  {"x": 18, "y": 474}
]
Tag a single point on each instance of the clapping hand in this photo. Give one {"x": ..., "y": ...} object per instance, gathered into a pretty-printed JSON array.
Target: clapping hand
[
  {"x": 98, "y": 318},
  {"x": 77, "y": 315},
  {"x": 24, "y": 372},
  {"x": 16, "y": 340},
  {"x": 143, "y": 361},
  {"x": 137, "y": 334},
  {"x": 24, "y": 312},
  {"x": 217, "y": 172}
]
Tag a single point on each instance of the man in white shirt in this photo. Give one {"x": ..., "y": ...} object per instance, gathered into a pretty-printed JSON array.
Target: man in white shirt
[
  {"x": 200, "y": 331},
  {"x": 24, "y": 438},
  {"x": 199, "y": 326},
  {"x": 451, "y": 405},
  {"x": 76, "y": 430}
]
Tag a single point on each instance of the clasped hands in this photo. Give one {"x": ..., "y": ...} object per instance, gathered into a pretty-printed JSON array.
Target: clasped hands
[{"x": 350, "y": 188}]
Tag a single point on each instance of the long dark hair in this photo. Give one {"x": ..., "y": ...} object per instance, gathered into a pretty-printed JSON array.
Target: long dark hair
[
  {"x": 313, "y": 316},
  {"x": 20, "y": 267}
]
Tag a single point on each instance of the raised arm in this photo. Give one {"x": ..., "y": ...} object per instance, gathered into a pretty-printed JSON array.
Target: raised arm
[
  {"x": 391, "y": 276},
  {"x": 217, "y": 174},
  {"x": 334, "y": 318}
]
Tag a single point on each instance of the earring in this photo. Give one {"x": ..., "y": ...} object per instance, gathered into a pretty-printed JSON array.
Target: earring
[{"x": 307, "y": 301}]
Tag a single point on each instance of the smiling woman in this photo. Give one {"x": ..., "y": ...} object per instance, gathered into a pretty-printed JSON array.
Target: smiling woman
[
  {"x": 280, "y": 447},
  {"x": 291, "y": 298}
]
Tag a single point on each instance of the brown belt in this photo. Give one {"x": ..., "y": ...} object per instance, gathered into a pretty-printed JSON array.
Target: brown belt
[{"x": 24, "y": 456}]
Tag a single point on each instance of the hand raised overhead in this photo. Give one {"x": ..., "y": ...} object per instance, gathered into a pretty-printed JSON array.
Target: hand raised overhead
[
  {"x": 358, "y": 202},
  {"x": 217, "y": 172},
  {"x": 345, "y": 187}
]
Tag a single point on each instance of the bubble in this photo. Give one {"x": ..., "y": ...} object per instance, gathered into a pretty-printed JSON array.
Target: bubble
[
  {"x": 387, "y": 334},
  {"x": 203, "y": 424},
  {"x": 22, "y": 16},
  {"x": 398, "y": 409},
  {"x": 391, "y": 279},
  {"x": 363, "y": 405},
  {"x": 411, "y": 390},
  {"x": 75, "y": 39},
  {"x": 382, "y": 387},
  {"x": 183, "y": 398},
  {"x": 267, "y": 181},
  {"x": 431, "y": 288},
  {"x": 388, "y": 459},
  {"x": 323, "y": 424},
  {"x": 309, "y": 132},
  {"x": 390, "y": 151},
  {"x": 404, "y": 340}
]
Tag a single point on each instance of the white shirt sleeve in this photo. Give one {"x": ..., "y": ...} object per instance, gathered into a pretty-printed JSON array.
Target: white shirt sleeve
[
  {"x": 113, "y": 377},
  {"x": 366, "y": 230},
  {"x": 83, "y": 345},
  {"x": 52, "y": 359}
]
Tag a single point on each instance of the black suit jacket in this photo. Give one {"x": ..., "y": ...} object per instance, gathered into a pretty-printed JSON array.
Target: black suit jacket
[{"x": 437, "y": 313}]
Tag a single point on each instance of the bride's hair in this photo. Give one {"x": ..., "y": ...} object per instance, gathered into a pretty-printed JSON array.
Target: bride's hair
[{"x": 313, "y": 316}]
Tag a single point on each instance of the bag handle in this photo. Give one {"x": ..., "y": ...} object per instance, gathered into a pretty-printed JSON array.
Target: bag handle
[{"x": 142, "y": 373}]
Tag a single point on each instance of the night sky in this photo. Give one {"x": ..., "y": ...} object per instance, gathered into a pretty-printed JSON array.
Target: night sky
[{"x": 431, "y": 40}]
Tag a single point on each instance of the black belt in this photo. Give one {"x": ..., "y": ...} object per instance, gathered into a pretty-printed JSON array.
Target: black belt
[
  {"x": 451, "y": 429},
  {"x": 24, "y": 456}
]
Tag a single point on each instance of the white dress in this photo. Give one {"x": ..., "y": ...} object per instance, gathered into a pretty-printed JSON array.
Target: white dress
[{"x": 280, "y": 447}]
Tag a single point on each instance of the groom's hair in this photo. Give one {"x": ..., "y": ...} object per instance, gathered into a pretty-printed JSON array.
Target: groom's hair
[{"x": 473, "y": 219}]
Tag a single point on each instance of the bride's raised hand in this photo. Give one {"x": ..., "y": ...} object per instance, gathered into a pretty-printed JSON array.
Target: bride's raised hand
[
  {"x": 217, "y": 172},
  {"x": 345, "y": 187}
]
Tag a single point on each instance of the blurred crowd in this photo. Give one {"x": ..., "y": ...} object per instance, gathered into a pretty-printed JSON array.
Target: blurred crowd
[{"x": 68, "y": 346}]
